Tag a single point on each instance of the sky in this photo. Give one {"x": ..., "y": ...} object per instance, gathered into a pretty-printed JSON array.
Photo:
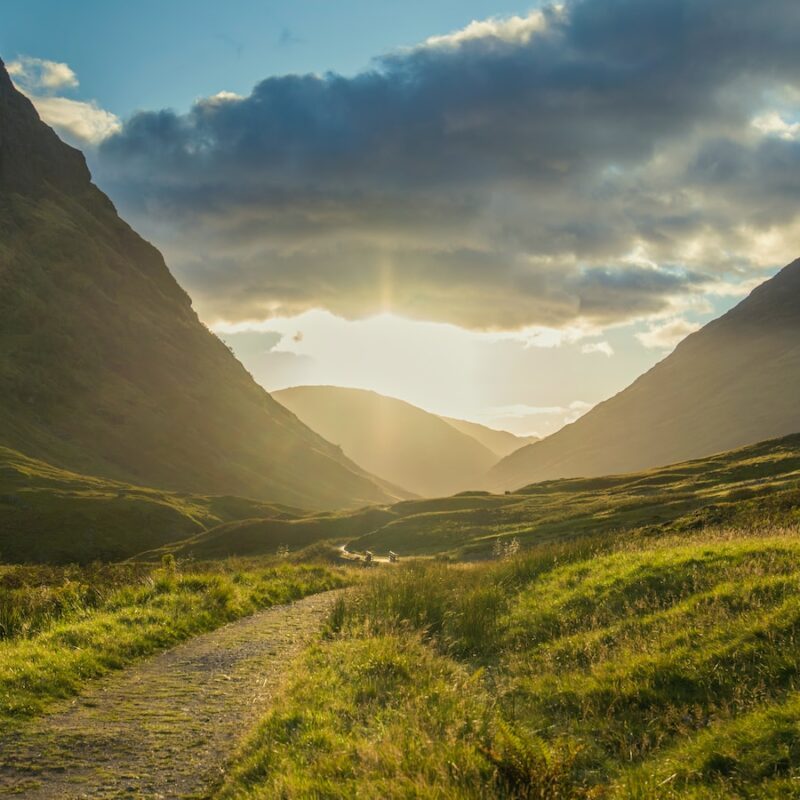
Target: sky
[{"x": 504, "y": 212}]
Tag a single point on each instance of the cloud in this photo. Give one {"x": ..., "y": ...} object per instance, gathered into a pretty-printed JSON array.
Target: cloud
[
  {"x": 667, "y": 335},
  {"x": 222, "y": 97},
  {"x": 541, "y": 420},
  {"x": 77, "y": 121},
  {"x": 518, "y": 30},
  {"x": 270, "y": 365},
  {"x": 735, "y": 289},
  {"x": 521, "y": 410},
  {"x": 80, "y": 122},
  {"x": 772, "y": 124},
  {"x": 598, "y": 347},
  {"x": 588, "y": 164},
  {"x": 41, "y": 75}
]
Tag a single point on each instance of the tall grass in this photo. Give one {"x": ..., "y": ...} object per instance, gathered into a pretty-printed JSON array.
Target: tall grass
[
  {"x": 458, "y": 607},
  {"x": 652, "y": 668},
  {"x": 34, "y": 597},
  {"x": 342, "y": 728}
]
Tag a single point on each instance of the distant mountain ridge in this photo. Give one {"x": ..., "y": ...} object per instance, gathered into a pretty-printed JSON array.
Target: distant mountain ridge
[
  {"x": 104, "y": 366},
  {"x": 732, "y": 383},
  {"x": 501, "y": 443},
  {"x": 403, "y": 444}
]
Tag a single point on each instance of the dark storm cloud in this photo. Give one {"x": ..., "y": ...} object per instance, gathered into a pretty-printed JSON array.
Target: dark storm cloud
[
  {"x": 763, "y": 179},
  {"x": 495, "y": 178}
]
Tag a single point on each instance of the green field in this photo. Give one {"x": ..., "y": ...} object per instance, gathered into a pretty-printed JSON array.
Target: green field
[
  {"x": 640, "y": 643},
  {"x": 642, "y": 670},
  {"x": 744, "y": 487}
]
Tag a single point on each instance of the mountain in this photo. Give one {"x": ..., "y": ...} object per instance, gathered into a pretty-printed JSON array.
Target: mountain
[
  {"x": 105, "y": 368},
  {"x": 501, "y": 443},
  {"x": 393, "y": 439},
  {"x": 734, "y": 382}
]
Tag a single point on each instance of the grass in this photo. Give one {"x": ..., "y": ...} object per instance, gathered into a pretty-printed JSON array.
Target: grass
[
  {"x": 48, "y": 514},
  {"x": 33, "y": 598},
  {"x": 259, "y": 536},
  {"x": 61, "y": 627},
  {"x": 750, "y": 486},
  {"x": 52, "y": 515},
  {"x": 342, "y": 727},
  {"x": 653, "y": 668}
]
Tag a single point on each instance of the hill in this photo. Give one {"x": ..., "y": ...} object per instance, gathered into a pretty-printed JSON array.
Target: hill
[
  {"x": 501, "y": 443},
  {"x": 734, "y": 382},
  {"x": 660, "y": 669},
  {"x": 752, "y": 486},
  {"x": 105, "y": 368},
  {"x": 746, "y": 486},
  {"x": 48, "y": 514},
  {"x": 393, "y": 439}
]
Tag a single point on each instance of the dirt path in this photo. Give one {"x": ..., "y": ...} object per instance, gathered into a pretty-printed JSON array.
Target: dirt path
[{"x": 163, "y": 728}]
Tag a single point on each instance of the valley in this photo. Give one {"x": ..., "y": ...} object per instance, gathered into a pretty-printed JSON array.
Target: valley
[
  {"x": 257, "y": 579},
  {"x": 411, "y": 448}
]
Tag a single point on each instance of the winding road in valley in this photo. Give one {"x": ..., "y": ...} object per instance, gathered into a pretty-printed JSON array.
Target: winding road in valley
[{"x": 167, "y": 726}]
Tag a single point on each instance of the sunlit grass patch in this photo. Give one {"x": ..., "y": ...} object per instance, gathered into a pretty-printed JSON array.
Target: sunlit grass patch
[{"x": 344, "y": 727}]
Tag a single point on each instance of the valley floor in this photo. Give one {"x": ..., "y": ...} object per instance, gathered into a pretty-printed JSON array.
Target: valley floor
[{"x": 164, "y": 727}]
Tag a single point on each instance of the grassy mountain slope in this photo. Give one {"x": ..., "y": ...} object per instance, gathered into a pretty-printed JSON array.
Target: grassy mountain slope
[
  {"x": 652, "y": 670},
  {"x": 391, "y": 438},
  {"x": 48, "y": 514},
  {"x": 744, "y": 487},
  {"x": 104, "y": 366},
  {"x": 501, "y": 443},
  {"x": 734, "y": 382}
]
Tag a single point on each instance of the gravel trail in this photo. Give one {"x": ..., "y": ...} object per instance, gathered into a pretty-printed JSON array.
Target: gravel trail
[{"x": 165, "y": 727}]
